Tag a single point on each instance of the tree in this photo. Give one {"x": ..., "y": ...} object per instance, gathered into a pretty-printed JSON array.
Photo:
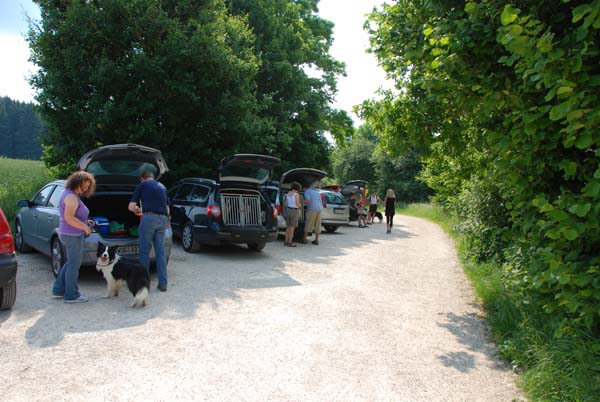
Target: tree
[
  {"x": 175, "y": 75},
  {"x": 516, "y": 86},
  {"x": 21, "y": 130},
  {"x": 290, "y": 37}
]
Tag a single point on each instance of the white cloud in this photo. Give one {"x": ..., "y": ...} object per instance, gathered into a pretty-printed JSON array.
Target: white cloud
[{"x": 15, "y": 70}]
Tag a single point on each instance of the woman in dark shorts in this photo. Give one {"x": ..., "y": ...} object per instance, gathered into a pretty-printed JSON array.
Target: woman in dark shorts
[{"x": 390, "y": 209}]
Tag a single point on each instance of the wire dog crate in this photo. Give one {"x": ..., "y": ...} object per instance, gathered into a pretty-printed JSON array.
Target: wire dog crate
[{"x": 241, "y": 209}]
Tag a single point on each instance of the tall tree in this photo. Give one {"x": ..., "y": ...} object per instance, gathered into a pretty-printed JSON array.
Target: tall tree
[
  {"x": 290, "y": 38},
  {"x": 176, "y": 75}
]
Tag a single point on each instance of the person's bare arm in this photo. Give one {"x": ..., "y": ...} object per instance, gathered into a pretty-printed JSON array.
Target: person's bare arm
[{"x": 133, "y": 207}]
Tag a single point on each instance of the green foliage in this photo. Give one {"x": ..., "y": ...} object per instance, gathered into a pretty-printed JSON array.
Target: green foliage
[
  {"x": 20, "y": 130},
  {"x": 289, "y": 37},
  {"x": 502, "y": 101},
  {"x": 199, "y": 80},
  {"x": 19, "y": 179}
]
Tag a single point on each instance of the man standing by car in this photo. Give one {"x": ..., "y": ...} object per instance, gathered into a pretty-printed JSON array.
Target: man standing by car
[
  {"x": 154, "y": 208},
  {"x": 313, "y": 217}
]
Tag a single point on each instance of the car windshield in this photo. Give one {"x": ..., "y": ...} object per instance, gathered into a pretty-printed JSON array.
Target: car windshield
[
  {"x": 247, "y": 171},
  {"x": 120, "y": 168}
]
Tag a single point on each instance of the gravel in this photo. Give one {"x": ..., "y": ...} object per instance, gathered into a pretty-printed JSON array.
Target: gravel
[{"x": 364, "y": 316}]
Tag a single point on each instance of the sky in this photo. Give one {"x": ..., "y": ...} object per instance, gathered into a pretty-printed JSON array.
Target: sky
[{"x": 363, "y": 77}]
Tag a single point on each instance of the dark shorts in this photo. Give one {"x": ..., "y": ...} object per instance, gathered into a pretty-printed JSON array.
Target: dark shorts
[{"x": 372, "y": 208}]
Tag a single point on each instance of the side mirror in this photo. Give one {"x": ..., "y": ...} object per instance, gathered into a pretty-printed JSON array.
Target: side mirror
[{"x": 23, "y": 204}]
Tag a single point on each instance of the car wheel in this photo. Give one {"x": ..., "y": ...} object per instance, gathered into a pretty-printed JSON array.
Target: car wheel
[
  {"x": 188, "y": 240},
  {"x": 256, "y": 246},
  {"x": 20, "y": 244},
  {"x": 57, "y": 256},
  {"x": 8, "y": 295},
  {"x": 331, "y": 229}
]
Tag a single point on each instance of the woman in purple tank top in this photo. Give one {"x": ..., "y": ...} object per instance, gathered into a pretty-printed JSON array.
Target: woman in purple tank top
[{"x": 74, "y": 226}]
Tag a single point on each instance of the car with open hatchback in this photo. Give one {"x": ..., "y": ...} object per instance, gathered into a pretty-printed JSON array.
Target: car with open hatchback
[{"x": 117, "y": 169}]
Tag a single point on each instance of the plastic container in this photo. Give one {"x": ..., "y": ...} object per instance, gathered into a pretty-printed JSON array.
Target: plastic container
[
  {"x": 101, "y": 224},
  {"x": 116, "y": 229}
]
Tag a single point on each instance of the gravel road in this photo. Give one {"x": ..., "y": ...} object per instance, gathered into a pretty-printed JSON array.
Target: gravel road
[{"x": 364, "y": 316}]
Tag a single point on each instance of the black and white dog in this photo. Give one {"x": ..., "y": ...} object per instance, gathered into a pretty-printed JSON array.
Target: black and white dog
[{"x": 117, "y": 270}]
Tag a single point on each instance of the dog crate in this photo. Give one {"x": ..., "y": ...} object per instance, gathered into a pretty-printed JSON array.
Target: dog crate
[{"x": 241, "y": 209}]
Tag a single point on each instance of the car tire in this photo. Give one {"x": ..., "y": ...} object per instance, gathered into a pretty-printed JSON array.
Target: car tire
[
  {"x": 331, "y": 229},
  {"x": 256, "y": 246},
  {"x": 8, "y": 295},
  {"x": 20, "y": 244},
  {"x": 188, "y": 240},
  {"x": 57, "y": 256}
]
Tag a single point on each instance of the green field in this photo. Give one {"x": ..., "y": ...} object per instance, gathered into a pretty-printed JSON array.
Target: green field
[{"x": 19, "y": 179}]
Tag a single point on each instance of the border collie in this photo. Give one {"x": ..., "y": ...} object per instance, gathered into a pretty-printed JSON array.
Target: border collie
[{"x": 117, "y": 270}]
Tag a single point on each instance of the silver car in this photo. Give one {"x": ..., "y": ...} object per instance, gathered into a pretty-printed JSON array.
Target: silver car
[
  {"x": 117, "y": 169},
  {"x": 336, "y": 212}
]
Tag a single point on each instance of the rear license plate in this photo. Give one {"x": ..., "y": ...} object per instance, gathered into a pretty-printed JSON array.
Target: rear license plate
[
  {"x": 128, "y": 250},
  {"x": 339, "y": 210}
]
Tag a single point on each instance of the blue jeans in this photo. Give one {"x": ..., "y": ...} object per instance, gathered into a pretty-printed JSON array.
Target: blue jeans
[
  {"x": 151, "y": 232},
  {"x": 66, "y": 281}
]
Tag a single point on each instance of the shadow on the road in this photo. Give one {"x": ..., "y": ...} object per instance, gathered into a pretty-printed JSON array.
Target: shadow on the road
[
  {"x": 470, "y": 330},
  {"x": 207, "y": 279}
]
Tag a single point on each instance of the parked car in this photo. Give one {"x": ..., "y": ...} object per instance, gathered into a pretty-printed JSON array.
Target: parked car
[
  {"x": 8, "y": 265},
  {"x": 336, "y": 212},
  {"x": 232, "y": 210},
  {"x": 353, "y": 187},
  {"x": 117, "y": 169}
]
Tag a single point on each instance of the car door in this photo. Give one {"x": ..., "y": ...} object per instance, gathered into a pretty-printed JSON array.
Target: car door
[
  {"x": 181, "y": 205},
  {"x": 48, "y": 219},
  {"x": 199, "y": 200},
  {"x": 31, "y": 220}
]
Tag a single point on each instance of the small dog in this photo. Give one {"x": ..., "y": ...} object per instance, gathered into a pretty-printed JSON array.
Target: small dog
[
  {"x": 116, "y": 270},
  {"x": 379, "y": 216}
]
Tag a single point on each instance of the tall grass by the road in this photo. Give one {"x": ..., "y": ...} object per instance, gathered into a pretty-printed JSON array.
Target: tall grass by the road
[
  {"x": 555, "y": 367},
  {"x": 19, "y": 179}
]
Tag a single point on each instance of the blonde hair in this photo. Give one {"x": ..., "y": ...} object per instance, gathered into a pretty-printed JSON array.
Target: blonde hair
[
  {"x": 76, "y": 180},
  {"x": 390, "y": 194}
]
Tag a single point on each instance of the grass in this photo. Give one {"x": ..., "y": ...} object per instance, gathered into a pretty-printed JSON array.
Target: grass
[
  {"x": 555, "y": 366},
  {"x": 19, "y": 179}
]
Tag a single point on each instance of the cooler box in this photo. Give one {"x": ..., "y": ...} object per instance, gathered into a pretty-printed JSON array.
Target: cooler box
[{"x": 102, "y": 224}]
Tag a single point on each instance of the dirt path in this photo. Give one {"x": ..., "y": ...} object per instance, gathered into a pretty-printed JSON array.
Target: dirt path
[{"x": 365, "y": 316}]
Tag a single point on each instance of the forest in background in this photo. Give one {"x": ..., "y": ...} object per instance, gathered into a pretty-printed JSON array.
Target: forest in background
[{"x": 21, "y": 130}]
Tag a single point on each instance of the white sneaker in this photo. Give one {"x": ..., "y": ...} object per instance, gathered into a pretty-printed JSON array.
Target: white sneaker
[{"x": 80, "y": 299}]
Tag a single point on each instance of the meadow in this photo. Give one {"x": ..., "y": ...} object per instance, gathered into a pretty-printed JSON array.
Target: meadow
[{"x": 19, "y": 179}]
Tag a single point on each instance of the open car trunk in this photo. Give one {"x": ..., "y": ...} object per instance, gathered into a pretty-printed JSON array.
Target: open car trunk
[{"x": 112, "y": 217}]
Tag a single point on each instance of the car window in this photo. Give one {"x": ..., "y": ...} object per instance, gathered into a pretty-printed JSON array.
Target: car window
[
  {"x": 41, "y": 198},
  {"x": 55, "y": 197},
  {"x": 114, "y": 167},
  {"x": 272, "y": 194},
  {"x": 184, "y": 193},
  {"x": 173, "y": 191},
  {"x": 200, "y": 194}
]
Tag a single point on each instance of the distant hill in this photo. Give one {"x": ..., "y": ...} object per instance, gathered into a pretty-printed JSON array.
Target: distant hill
[{"x": 20, "y": 130}]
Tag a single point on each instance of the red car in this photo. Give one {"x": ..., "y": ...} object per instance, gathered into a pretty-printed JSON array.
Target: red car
[{"x": 8, "y": 265}]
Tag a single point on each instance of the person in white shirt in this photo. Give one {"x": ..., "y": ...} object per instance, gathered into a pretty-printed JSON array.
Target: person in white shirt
[{"x": 373, "y": 202}]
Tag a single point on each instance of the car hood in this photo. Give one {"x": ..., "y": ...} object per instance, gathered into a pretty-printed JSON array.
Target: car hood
[
  {"x": 122, "y": 163},
  {"x": 247, "y": 168},
  {"x": 352, "y": 186},
  {"x": 305, "y": 176}
]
